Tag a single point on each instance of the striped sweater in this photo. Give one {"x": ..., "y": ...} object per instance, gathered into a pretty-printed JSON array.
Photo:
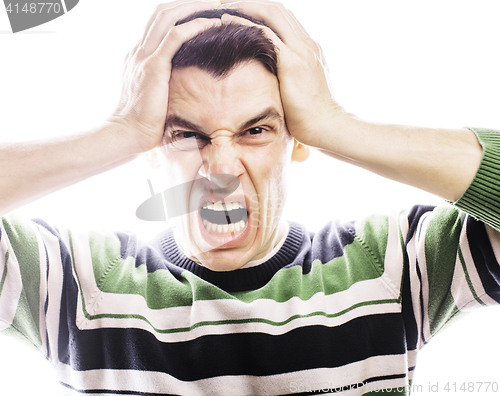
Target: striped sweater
[{"x": 345, "y": 309}]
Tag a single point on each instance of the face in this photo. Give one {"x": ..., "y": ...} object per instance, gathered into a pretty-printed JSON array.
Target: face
[{"x": 227, "y": 151}]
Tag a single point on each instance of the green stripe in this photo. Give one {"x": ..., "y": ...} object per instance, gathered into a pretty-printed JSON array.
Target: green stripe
[
  {"x": 441, "y": 246},
  {"x": 373, "y": 233},
  {"x": 162, "y": 290},
  {"x": 4, "y": 274},
  {"x": 25, "y": 246},
  {"x": 84, "y": 308},
  {"x": 105, "y": 250},
  {"x": 467, "y": 277},
  {"x": 242, "y": 321}
]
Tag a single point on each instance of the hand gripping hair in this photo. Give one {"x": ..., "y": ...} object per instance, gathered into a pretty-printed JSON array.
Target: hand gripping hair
[{"x": 219, "y": 49}]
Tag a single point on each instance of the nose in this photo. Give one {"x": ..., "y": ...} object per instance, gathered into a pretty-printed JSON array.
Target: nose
[{"x": 221, "y": 162}]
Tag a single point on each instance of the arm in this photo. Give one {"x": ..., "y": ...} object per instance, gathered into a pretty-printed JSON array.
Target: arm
[
  {"x": 440, "y": 161},
  {"x": 32, "y": 170}
]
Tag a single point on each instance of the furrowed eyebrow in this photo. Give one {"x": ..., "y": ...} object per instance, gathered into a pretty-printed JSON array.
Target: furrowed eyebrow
[
  {"x": 267, "y": 114},
  {"x": 181, "y": 123}
]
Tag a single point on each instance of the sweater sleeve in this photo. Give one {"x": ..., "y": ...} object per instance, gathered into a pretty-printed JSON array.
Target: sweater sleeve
[
  {"x": 453, "y": 252},
  {"x": 36, "y": 270},
  {"x": 22, "y": 286},
  {"x": 482, "y": 198}
]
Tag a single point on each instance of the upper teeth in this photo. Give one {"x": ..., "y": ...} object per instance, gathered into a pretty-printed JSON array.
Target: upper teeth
[{"x": 223, "y": 206}]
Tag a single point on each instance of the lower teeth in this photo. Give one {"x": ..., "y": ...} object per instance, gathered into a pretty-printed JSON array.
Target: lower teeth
[{"x": 224, "y": 228}]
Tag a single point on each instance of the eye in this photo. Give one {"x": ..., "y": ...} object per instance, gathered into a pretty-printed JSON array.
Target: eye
[
  {"x": 187, "y": 140},
  {"x": 256, "y": 131},
  {"x": 185, "y": 135}
]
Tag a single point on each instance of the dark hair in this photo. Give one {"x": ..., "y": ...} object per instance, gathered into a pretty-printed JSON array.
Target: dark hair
[{"x": 218, "y": 50}]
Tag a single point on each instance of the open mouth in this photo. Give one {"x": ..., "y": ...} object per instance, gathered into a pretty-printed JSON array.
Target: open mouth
[{"x": 221, "y": 218}]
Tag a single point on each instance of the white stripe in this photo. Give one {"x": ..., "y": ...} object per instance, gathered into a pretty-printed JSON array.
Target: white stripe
[
  {"x": 42, "y": 259},
  {"x": 55, "y": 291},
  {"x": 98, "y": 303},
  {"x": 243, "y": 327},
  {"x": 13, "y": 286},
  {"x": 415, "y": 283},
  {"x": 157, "y": 382},
  {"x": 393, "y": 265},
  {"x": 392, "y": 271},
  {"x": 84, "y": 274},
  {"x": 460, "y": 291},
  {"x": 464, "y": 298},
  {"x": 219, "y": 310},
  {"x": 419, "y": 249}
]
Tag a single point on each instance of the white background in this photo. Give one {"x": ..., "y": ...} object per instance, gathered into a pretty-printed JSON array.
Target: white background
[{"x": 429, "y": 63}]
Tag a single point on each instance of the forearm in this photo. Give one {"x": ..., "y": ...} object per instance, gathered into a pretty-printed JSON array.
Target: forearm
[
  {"x": 33, "y": 169},
  {"x": 440, "y": 161}
]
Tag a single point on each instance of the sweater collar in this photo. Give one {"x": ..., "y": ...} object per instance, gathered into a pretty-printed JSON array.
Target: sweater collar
[{"x": 241, "y": 279}]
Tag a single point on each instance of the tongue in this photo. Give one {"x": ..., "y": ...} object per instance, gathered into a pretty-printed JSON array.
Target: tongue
[{"x": 224, "y": 217}]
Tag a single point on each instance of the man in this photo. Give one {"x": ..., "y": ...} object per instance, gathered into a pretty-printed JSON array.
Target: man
[{"x": 286, "y": 324}]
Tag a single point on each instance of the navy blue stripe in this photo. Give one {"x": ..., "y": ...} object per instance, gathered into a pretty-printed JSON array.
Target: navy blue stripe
[
  {"x": 411, "y": 327},
  {"x": 414, "y": 217},
  {"x": 239, "y": 354},
  {"x": 243, "y": 279},
  {"x": 412, "y": 330},
  {"x": 359, "y": 385},
  {"x": 484, "y": 258},
  {"x": 114, "y": 392},
  {"x": 299, "y": 248},
  {"x": 422, "y": 305},
  {"x": 69, "y": 295},
  {"x": 143, "y": 253},
  {"x": 47, "y": 296},
  {"x": 330, "y": 242}
]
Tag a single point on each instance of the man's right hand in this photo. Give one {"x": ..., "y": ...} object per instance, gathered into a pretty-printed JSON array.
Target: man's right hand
[
  {"x": 143, "y": 104},
  {"x": 33, "y": 169}
]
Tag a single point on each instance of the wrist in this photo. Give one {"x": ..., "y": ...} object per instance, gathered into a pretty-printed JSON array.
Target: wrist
[
  {"x": 331, "y": 128},
  {"x": 126, "y": 136}
]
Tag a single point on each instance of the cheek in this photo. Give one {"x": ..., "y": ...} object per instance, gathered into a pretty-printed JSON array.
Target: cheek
[
  {"x": 180, "y": 167},
  {"x": 279, "y": 174},
  {"x": 268, "y": 169}
]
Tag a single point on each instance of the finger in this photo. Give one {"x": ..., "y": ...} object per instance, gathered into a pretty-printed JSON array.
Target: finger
[
  {"x": 164, "y": 6},
  {"x": 178, "y": 35},
  {"x": 276, "y": 16},
  {"x": 305, "y": 36},
  {"x": 165, "y": 18},
  {"x": 227, "y": 19},
  {"x": 260, "y": 4},
  {"x": 283, "y": 50}
]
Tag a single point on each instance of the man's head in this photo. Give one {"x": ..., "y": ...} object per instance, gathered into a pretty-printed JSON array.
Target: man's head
[{"x": 225, "y": 123}]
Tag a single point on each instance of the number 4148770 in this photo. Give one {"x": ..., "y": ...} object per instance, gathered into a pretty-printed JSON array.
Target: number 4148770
[
  {"x": 34, "y": 8},
  {"x": 471, "y": 387}
]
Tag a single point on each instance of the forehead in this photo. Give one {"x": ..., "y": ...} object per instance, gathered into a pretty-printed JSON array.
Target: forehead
[{"x": 223, "y": 103}]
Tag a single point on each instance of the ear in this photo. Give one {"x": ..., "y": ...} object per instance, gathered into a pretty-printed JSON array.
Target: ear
[
  {"x": 152, "y": 159},
  {"x": 300, "y": 152}
]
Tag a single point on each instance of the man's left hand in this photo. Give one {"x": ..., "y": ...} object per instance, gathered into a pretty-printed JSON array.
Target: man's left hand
[{"x": 302, "y": 71}]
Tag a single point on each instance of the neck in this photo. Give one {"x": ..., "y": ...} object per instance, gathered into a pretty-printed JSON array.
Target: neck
[{"x": 275, "y": 240}]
